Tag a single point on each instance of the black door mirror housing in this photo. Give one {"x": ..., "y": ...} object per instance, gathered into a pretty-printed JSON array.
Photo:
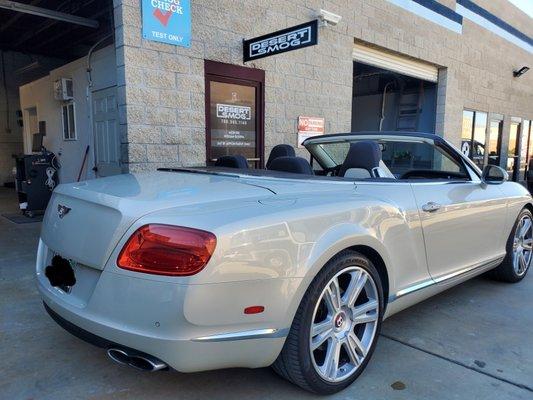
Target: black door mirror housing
[{"x": 494, "y": 175}]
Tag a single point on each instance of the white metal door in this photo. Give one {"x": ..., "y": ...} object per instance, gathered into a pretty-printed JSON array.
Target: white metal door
[
  {"x": 106, "y": 135},
  {"x": 395, "y": 62}
]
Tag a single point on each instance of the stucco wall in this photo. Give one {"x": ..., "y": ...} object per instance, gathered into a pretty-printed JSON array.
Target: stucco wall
[
  {"x": 39, "y": 94},
  {"x": 162, "y": 87}
]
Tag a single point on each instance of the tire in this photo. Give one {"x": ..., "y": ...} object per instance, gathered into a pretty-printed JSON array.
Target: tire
[
  {"x": 511, "y": 270},
  {"x": 314, "y": 370}
]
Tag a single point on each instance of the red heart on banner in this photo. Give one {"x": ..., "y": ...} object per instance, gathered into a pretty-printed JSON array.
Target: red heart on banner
[{"x": 162, "y": 17}]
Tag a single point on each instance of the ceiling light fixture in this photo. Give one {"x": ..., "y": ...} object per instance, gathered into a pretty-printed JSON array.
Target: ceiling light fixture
[{"x": 519, "y": 72}]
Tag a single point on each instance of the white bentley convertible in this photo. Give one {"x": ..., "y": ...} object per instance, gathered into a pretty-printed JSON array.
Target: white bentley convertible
[{"x": 295, "y": 266}]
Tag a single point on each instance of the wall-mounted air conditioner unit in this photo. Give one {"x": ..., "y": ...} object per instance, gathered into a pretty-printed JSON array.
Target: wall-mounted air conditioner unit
[{"x": 63, "y": 90}]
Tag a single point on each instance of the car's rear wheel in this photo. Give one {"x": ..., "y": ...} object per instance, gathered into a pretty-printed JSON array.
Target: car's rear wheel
[
  {"x": 336, "y": 326},
  {"x": 519, "y": 251}
]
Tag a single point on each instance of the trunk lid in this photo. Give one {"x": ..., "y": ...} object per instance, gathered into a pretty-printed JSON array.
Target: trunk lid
[{"x": 97, "y": 213}]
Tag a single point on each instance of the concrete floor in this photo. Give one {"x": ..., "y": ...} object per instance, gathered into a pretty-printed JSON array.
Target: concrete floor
[{"x": 472, "y": 342}]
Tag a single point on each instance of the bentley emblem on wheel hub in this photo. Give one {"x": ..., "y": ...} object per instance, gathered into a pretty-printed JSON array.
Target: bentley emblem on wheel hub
[{"x": 339, "y": 320}]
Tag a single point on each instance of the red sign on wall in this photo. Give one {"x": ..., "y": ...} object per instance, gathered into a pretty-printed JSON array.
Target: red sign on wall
[{"x": 308, "y": 127}]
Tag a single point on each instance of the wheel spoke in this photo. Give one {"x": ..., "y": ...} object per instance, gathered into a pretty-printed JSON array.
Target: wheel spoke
[
  {"x": 356, "y": 285},
  {"x": 528, "y": 244},
  {"x": 354, "y": 357},
  {"x": 360, "y": 314},
  {"x": 331, "y": 362},
  {"x": 332, "y": 295},
  {"x": 522, "y": 263},
  {"x": 356, "y": 344},
  {"x": 320, "y": 332},
  {"x": 526, "y": 225},
  {"x": 516, "y": 256}
]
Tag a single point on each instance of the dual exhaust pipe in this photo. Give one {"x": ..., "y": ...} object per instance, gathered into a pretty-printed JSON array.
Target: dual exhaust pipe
[{"x": 142, "y": 362}]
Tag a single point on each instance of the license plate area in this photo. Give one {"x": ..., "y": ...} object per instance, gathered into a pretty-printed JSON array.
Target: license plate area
[
  {"x": 78, "y": 294},
  {"x": 60, "y": 273}
]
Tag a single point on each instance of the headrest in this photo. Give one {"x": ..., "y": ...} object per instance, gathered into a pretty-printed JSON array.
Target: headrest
[
  {"x": 296, "y": 165},
  {"x": 237, "y": 161},
  {"x": 365, "y": 154},
  {"x": 280, "y": 150}
]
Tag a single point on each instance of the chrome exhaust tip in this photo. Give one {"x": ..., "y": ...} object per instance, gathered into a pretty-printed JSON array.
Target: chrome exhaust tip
[{"x": 137, "y": 361}]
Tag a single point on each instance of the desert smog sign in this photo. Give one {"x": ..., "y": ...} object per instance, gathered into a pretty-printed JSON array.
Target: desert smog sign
[
  {"x": 309, "y": 127},
  {"x": 167, "y": 21},
  {"x": 297, "y": 37}
]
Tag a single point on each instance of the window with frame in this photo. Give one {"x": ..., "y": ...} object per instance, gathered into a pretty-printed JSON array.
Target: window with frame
[
  {"x": 473, "y": 136},
  {"x": 495, "y": 139},
  {"x": 68, "y": 114}
]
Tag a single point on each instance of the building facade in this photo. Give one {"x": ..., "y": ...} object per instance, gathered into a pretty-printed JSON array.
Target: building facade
[
  {"x": 445, "y": 66},
  {"x": 474, "y": 46}
]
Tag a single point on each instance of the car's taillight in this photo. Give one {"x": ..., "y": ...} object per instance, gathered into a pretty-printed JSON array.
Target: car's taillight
[{"x": 167, "y": 250}]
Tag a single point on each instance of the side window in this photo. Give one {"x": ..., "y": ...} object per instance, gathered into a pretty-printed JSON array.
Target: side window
[
  {"x": 421, "y": 160},
  {"x": 68, "y": 114}
]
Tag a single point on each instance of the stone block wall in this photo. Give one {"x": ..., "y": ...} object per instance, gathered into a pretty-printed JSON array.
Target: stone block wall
[{"x": 161, "y": 87}]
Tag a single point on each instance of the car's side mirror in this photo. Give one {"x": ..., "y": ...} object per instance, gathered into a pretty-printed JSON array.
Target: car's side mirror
[{"x": 494, "y": 175}]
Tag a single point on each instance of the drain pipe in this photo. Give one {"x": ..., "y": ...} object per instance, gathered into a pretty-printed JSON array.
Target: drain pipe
[
  {"x": 88, "y": 95},
  {"x": 382, "y": 117}
]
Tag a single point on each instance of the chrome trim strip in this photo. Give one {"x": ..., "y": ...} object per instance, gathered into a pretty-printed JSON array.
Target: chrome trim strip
[
  {"x": 452, "y": 275},
  {"x": 245, "y": 335},
  {"x": 411, "y": 289},
  {"x": 441, "y": 279}
]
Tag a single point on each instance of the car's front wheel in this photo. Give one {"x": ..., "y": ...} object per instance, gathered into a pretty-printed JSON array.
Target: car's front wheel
[
  {"x": 336, "y": 326},
  {"x": 519, "y": 250}
]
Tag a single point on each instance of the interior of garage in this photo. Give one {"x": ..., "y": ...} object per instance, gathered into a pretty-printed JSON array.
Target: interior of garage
[
  {"x": 392, "y": 92},
  {"x": 56, "y": 58},
  {"x": 385, "y": 100}
]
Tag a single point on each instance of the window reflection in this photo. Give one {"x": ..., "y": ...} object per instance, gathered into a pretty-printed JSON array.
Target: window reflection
[
  {"x": 233, "y": 120},
  {"x": 512, "y": 150},
  {"x": 473, "y": 136},
  {"x": 495, "y": 139}
]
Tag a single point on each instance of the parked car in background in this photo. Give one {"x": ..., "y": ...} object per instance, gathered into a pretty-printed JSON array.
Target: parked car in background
[{"x": 295, "y": 266}]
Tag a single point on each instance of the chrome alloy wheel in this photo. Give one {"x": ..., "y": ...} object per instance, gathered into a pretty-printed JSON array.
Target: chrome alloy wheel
[
  {"x": 344, "y": 324},
  {"x": 523, "y": 245}
]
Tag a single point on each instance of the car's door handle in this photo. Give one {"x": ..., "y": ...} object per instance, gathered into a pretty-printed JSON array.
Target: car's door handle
[{"x": 431, "y": 206}]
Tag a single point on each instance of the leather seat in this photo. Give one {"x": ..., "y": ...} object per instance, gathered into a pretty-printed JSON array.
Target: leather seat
[
  {"x": 296, "y": 165},
  {"x": 236, "y": 161},
  {"x": 280, "y": 150},
  {"x": 362, "y": 161}
]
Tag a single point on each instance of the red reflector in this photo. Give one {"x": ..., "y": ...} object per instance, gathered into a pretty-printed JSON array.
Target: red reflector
[
  {"x": 254, "y": 310},
  {"x": 167, "y": 250}
]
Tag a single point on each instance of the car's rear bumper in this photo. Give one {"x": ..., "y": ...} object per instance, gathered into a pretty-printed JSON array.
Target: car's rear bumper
[
  {"x": 181, "y": 364},
  {"x": 189, "y": 327}
]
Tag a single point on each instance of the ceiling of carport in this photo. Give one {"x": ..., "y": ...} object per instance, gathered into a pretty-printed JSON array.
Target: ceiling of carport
[{"x": 38, "y": 35}]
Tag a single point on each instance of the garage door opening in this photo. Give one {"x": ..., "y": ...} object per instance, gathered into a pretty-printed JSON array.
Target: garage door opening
[
  {"x": 54, "y": 55},
  {"x": 392, "y": 93}
]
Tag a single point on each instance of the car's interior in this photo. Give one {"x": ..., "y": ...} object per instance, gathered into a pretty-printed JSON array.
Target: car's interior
[{"x": 363, "y": 159}]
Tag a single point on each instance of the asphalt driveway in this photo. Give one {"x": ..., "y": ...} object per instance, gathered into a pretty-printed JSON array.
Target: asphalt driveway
[{"x": 472, "y": 342}]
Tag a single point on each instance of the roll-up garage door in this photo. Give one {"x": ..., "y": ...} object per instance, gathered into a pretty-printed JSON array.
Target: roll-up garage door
[{"x": 394, "y": 62}]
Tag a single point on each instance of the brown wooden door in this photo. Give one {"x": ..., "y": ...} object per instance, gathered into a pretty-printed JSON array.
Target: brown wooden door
[{"x": 234, "y": 112}]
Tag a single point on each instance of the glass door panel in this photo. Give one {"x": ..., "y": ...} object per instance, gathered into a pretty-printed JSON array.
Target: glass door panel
[
  {"x": 527, "y": 143},
  {"x": 495, "y": 141},
  {"x": 233, "y": 127},
  {"x": 512, "y": 151}
]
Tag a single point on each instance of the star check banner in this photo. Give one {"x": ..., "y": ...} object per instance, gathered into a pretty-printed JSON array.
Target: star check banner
[{"x": 167, "y": 21}]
